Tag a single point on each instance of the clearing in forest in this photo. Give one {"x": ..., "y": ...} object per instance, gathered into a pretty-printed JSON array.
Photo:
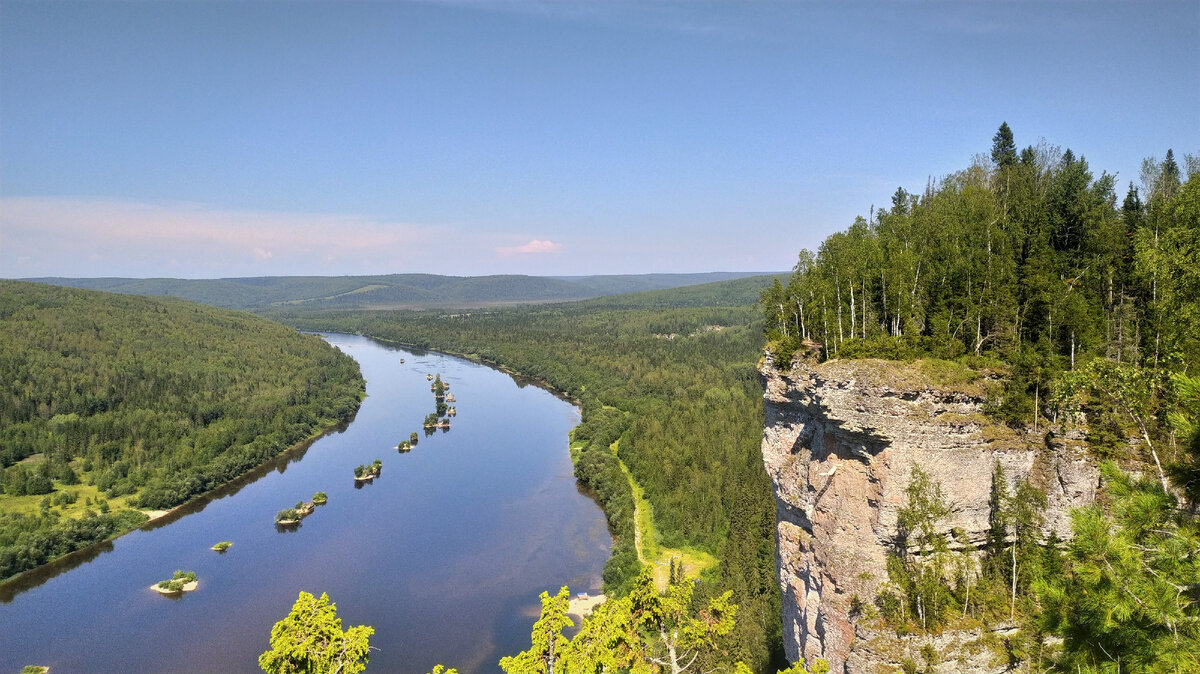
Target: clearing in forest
[{"x": 646, "y": 542}]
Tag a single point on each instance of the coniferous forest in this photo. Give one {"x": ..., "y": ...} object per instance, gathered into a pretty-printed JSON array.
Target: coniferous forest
[{"x": 110, "y": 402}]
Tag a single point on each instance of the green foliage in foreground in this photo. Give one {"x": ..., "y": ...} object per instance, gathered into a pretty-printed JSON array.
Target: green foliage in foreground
[
  {"x": 645, "y": 631},
  {"x": 310, "y": 640},
  {"x": 1130, "y": 594},
  {"x": 675, "y": 383},
  {"x": 150, "y": 400},
  {"x": 1129, "y": 598}
]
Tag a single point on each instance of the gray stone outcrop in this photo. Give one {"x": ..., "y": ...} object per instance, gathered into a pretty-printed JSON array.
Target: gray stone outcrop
[{"x": 839, "y": 441}]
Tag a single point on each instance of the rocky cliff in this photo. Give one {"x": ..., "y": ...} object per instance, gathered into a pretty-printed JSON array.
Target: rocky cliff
[{"x": 839, "y": 443}]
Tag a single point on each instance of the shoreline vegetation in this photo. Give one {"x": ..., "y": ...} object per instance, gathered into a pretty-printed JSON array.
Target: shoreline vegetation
[
  {"x": 667, "y": 564},
  {"x": 292, "y": 516},
  {"x": 182, "y": 581},
  {"x": 368, "y": 473},
  {"x": 540, "y": 382},
  {"x": 12, "y": 583},
  {"x": 677, "y": 406},
  {"x": 102, "y": 381}
]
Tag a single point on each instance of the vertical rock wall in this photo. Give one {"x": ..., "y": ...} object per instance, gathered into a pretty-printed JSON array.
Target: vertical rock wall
[{"x": 839, "y": 442}]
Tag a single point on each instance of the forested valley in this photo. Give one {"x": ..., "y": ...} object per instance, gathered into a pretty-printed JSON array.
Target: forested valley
[
  {"x": 110, "y": 404},
  {"x": 668, "y": 378},
  {"x": 1079, "y": 303},
  {"x": 1085, "y": 298}
]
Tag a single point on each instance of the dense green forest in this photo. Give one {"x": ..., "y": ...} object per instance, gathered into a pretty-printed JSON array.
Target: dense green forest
[
  {"x": 390, "y": 291},
  {"x": 1029, "y": 256},
  {"x": 1030, "y": 264},
  {"x": 110, "y": 401},
  {"x": 670, "y": 377}
]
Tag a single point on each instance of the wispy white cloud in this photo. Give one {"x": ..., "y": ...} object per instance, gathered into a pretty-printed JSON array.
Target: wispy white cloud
[
  {"x": 91, "y": 237},
  {"x": 534, "y": 246},
  {"x": 84, "y": 236}
]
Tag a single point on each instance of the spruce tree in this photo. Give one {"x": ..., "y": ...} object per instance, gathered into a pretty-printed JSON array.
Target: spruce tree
[{"x": 1004, "y": 150}]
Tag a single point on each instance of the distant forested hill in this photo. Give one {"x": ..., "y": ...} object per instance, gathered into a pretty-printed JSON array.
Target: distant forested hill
[
  {"x": 109, "y": 401},
  {"x": 390, "y": 291}
]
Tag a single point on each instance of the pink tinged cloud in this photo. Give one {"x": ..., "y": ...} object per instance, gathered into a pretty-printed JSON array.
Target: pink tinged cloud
[
  {"x": 534, "y": 246},
  {"x": 51, "y": 236}
]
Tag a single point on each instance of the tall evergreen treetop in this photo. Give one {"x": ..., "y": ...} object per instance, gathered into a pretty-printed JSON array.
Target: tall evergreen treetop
[
  {"x": 1170, "y": 173},
  {"x": 1004, "y": 150}
]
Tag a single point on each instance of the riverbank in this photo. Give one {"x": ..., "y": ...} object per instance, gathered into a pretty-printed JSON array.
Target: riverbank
[
  {"x": 155, "y": 518},
  {"x": 495, "y": 365},
  {"x": 688, "y": 412},
  {"x": 692, "y": 562},
  {"x": 484, "y": 497},
  {"x": 591, "y": 480},
  {"x": 582, "y": 606}
]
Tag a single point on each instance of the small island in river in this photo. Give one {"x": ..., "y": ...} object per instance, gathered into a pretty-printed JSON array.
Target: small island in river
[
  {"x": 182, "y": 581},
  {"x": 293, "y": 515},
  {"x": 368, "y": 473}
]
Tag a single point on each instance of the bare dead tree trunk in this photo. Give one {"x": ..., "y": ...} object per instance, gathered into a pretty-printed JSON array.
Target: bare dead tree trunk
[
  {"x": 853, "y": 315},
  {"x": 1012, "y": 607},
  {"x": 1037, "y": 410}
]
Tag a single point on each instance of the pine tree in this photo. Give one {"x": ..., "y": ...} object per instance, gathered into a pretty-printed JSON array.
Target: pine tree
[{"x": 1128, "y": 599}]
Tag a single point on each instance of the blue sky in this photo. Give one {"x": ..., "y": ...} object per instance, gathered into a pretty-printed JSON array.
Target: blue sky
[{"x": 241, "y": 139}]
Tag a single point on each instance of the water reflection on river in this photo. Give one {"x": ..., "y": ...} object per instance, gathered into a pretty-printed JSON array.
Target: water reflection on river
[{"x": 444, "y": 553}]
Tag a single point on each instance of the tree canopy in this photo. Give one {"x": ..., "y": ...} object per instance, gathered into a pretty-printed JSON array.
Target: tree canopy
[
  {"x": 310, "y": 640},
  {"x": 144, "y": 402},
  {"x": 1028, "y": 257}
]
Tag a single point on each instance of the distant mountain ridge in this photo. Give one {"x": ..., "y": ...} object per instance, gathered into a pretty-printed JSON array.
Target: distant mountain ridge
[{"x": 390, "y": 290}]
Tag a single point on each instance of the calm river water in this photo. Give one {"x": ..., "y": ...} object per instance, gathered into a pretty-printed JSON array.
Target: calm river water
[{"x": 444, "y": 554}]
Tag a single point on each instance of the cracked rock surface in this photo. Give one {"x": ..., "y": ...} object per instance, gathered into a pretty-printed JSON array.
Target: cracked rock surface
[{"x": 839, "y": 441}]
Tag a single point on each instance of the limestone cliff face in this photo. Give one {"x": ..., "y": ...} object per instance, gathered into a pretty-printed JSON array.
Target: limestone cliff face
[{"x": 839, "y": 443}]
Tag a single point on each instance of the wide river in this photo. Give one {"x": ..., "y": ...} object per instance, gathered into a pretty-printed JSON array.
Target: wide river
[{"x": 444, "y": 554}]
